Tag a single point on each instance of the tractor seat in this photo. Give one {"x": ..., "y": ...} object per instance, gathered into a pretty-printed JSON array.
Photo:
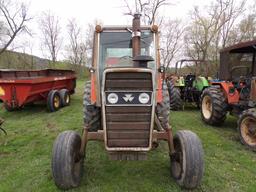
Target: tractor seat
[{"x": 189, "y": 80}]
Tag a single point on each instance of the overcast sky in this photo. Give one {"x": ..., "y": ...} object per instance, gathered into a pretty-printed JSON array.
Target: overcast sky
[{"x": 110, "y": 12}]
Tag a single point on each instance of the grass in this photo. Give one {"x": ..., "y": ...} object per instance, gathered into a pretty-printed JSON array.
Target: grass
[{"x": 25, "y": 155}]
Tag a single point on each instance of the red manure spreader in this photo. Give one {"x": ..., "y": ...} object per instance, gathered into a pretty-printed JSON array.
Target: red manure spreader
[{"x": 18, "y": 88}]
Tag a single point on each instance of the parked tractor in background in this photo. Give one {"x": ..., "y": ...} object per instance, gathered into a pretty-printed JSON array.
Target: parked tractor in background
[
  {"x": 187, "y": 83},
  {"x": 126, "y": 105},
  {"x": 235, "y": 92}
]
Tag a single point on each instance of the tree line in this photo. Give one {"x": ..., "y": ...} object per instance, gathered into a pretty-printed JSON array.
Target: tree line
[{"x": 205, "y": 31}]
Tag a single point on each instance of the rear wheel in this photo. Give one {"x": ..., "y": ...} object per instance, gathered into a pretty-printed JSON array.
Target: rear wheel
[
  {"x": 175, "y": 97},
  {"x": 53, "y": 101},
  {"x": 247, "y": 128},
  {"x": 187, "y": 165},
  {"x": 92, "y": 114},
  {"x": 163, "y": 108},
  {"x": 213, "y": 106},
  {"x": 66, "y": 160},
  {"x": 64, "y": 97}
]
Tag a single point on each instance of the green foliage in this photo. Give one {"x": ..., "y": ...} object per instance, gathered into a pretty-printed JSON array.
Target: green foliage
[{"x": 25, "y": 154}]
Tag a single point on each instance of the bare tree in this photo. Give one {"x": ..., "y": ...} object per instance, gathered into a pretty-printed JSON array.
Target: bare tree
[
  {"x": 14, "y": 17},
  {"x": 148, "y": 8},
  {"x": 171, "y": 40},
  {"x": 51, "y": 31},
  {"x": 77, "y": 47},
  {"x": 210, "y": 30}
]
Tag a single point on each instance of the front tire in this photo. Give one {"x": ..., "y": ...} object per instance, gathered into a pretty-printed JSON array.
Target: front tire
[
  {"x": 213, "y": 106},
  {"x": 187, "y": 165},
  {"x": 247, "y": 128},
  {"x": 66, "y": 160}
]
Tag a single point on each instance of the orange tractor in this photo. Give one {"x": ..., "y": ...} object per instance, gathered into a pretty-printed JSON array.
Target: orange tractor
[
  {"x": 234, "y": 92},
  {"x": 126, "y": 105}
]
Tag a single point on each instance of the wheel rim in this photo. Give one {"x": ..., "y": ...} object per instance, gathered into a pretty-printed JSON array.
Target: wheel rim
[
  {"x": 56, "y": 101},
  {"x": 207, "y": 107},
  {"x": 248, "y": 130},
  {"x": 67, "y": 99}
]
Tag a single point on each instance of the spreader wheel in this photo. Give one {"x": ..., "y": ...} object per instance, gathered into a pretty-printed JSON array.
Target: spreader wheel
[
  {"x": 187, "y": 165},
  {"x": 247, "y": 128},
  {"x": 53, "y": 101},
  {"x": 8, "y": 108},
  {"x": 64, "y": 97},
  {"x": 67, "y": 163}
]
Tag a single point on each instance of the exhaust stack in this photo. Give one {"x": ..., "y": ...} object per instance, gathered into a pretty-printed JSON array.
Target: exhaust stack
[{"x": 136, "y": 33}]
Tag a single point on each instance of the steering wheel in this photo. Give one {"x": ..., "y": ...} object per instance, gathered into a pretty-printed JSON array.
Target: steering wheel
[{"x": 241, "y": 77}]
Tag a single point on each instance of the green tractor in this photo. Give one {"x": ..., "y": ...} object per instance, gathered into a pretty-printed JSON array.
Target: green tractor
[{"x": 189, "y": 87}]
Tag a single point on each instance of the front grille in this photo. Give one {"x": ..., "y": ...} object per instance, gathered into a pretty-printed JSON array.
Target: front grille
[{"x": 128, "y": 126}]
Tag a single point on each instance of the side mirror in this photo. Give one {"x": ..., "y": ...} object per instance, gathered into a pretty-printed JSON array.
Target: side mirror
[{"x": 161, "y": 69}]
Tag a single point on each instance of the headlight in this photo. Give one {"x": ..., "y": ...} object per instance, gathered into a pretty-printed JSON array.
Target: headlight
[
  {"x": 144, "y": 98},
  {"x": 112, "y": 98}
]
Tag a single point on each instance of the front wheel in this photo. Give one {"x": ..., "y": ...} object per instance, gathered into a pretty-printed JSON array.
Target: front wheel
[
  {"x": 67, "y": 162},
  {"x": 247, "y": 128},
  {"x": 187, "y": 164}
]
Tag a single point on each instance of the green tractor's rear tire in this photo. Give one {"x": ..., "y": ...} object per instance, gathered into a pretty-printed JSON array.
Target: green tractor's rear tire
[
  {"x": 67, "y": 163},
  {"x": 175, "y": 96},
  {"x": 247, "y": 128},
  {"x": 213, "y": 106},
  {"x": 92, "y": 114},
  {"x": 187, "y": 164},
  {"x": 163, "y": 108}
]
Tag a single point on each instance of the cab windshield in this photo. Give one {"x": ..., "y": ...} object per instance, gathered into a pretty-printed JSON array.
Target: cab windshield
[{"x": 116, "y": 48}]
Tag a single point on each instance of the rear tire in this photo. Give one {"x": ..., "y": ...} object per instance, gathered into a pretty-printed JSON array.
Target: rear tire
[
  {"x": 175, "y": 97},
  {"x": 247, "y": 128},
  {"x": 53, "y": 101},
  {"x": 163, "y": 108},
  {"x": 64, "y": 97},
  {"x": 213, "y": 106},
  {"x": 187, "y": 164},
  {"x": 92, "y": 114},
  {"x": 67, "y": 164}
]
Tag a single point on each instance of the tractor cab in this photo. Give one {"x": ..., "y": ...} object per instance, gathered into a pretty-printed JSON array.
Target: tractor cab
[
  {"x": 237, "y": 66},
  {"x": 115, "y": 47}
]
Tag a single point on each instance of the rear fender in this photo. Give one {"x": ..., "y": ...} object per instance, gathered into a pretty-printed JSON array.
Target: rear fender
[
  {"x": 200, "y": 83},
  {"x": 230, "y": 91}
]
